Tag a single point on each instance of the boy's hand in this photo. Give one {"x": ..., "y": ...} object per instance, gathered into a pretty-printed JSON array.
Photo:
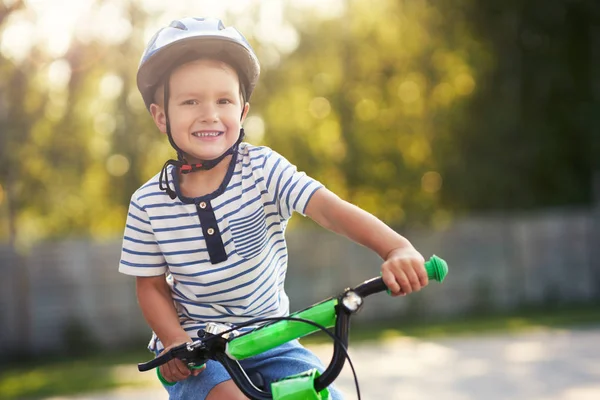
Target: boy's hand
[
  {"x": 175, "y": 370},
  {"x": 404, "y": 272}
]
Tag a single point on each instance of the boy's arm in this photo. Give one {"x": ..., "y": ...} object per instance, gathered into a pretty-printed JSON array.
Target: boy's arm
[
  {"x": 154, "y": 297},
  {"x": 403, "y": 269}
]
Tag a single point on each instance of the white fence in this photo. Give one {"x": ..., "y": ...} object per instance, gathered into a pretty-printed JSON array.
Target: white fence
[{"x": 63, "y": 291}]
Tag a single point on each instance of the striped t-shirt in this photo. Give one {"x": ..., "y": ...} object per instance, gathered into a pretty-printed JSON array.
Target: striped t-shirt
[{"x": 224, "y": 253}]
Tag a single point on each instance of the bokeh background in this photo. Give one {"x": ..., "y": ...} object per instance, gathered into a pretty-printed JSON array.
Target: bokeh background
[{"x": 471, "y": 127}]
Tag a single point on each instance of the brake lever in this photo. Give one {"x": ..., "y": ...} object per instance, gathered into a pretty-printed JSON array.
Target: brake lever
[{"x": 182, "y": 352}]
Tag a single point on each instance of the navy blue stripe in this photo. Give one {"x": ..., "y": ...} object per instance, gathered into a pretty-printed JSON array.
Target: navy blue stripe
[
  {"x": 202, "y": 305},
  {"x": 278, "y": 185},
  {"x": 254, "y": 248},
  {"x": 268, "y": 289},
  {"x": 231, "y": 200},
  {"x": 231, "y": 289},
  {"x": 230, "y": 278},
  {"x": 153, "y": 182},
  {"x": 281, "y": 261},
  {"x": 212, "y": 271},
  {"x": 178, "y": 228},
  {"x": 256, "y": 148},
  {"x": 192, "y": 251},
  {"x": 250, "y": 294},
  {"x": 138, "y": 219},
  {"x": 152, "y": 194},
  {"x": 268, "y": 306},
  {"x": 133, "y": 228},
  {"x": 141, "y": 253},
  {"x": 137, "y": 265},
  {"x": 242, "y": 223},
  {"x": 172, "y": 216},
  {"x": 287, "y": 199},
  {"x": 273, "y": 172},
  {"x": 241, "y": 207},
  {"x": 187, "y": 239},
  {"x": 158, "y": 205},
  {"x": 289, "y": 180},
  {"x": 247, "y": 165},
  {"x": 134, "y": 204},
  {"x": 310, "y": 197},
  {"x": 130, "y": 239},
  {"x": 213, "y": 317},
  {"x": 300, "y": 193},
  {"x": 249, "y": 236}
]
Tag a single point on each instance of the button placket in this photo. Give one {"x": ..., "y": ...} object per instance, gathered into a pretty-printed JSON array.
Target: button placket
[{"x": 210, "y": 229}]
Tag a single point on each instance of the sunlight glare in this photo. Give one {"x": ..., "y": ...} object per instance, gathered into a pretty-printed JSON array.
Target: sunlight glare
[
  {"x": 17, "y": 39},
  {"x": 56, "y": 24},
  {"x": 59, "y": 74},
  {"x": 254, "y": 126},
  {"x": 327, "y": 9},
  {"x": 111, "y": 86}
]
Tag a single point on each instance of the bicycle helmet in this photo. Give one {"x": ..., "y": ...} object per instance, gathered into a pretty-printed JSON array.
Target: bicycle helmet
[
  {"x": 189, "y": 38},
  {"x": 183, "y": 41}
]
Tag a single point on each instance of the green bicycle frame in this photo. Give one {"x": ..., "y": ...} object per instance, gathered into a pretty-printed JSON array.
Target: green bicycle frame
[
  {"x": 296, "y": 387},
  {"x": 301, "y": 386},
  {"x": 273, "y": 335}
]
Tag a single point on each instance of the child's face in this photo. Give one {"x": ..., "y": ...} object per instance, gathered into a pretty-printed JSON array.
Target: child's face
[{"x": 205, "y": 109}]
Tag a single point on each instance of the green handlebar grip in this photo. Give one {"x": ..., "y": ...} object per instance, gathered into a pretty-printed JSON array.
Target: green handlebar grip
[
  {"x": 162, "y": 379},
  {"x": 437, "y": 269},
  {"x": 166, "y": 382}
]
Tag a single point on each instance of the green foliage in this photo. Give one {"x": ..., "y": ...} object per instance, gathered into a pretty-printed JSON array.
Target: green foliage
[{"x": 415, "y": 111}]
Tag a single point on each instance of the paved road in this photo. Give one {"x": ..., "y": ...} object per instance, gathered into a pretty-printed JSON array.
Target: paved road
[{"x": 544, "y": 365}]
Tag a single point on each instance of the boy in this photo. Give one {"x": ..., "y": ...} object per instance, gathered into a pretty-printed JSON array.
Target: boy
[{"x": 214, "y": 219}]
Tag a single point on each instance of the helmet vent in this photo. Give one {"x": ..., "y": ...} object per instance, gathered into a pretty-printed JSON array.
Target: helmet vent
[{"x": 178, "y": 25}]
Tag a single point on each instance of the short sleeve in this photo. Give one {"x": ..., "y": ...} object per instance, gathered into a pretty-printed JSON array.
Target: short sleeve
[
  {"x": 290, "y": 188},
  {"x": 140, "y": 254}
]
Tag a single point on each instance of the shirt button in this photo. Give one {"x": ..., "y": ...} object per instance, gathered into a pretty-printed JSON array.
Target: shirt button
[
  {"x": 202, "y": 205},
  {"x": 210, "y": 231}
]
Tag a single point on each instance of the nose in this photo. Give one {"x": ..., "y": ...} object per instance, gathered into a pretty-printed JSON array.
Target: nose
[{"x": 209, "y": 113}]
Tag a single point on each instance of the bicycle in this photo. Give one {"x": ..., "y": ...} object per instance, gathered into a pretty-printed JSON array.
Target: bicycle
[{"x": 222, "y": 343}]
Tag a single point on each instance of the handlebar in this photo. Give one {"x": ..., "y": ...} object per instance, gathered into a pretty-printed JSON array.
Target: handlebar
[
  {"x": 330, "y": 312},
  {"x": 436, "y": 268}
]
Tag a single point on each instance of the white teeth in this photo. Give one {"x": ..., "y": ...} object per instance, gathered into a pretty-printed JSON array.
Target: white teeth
[{"x": 206, "y": 134}]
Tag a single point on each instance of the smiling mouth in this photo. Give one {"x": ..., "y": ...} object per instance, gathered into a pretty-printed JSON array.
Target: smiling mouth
[{"x": 207, "y": 134}]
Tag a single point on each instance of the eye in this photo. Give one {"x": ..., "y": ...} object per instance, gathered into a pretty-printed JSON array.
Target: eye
[
  {"x": 224, "y": 101},
  {"x": 190, "y": 102}
]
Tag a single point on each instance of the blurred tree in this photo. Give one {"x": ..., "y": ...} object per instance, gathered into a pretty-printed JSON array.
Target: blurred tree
[
  {"x": 412, "y": 110},
  {"x": 532, "y": 128},
  {"x": 366, "y": 101}
]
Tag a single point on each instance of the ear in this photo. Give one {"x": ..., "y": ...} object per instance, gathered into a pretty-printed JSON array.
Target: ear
[
  {"x": 245, "y": 112},
  {"x": 159, "y": 117}
]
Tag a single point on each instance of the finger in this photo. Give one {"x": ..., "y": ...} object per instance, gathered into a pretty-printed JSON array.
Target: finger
[
  {"x": 413, "y": 280},
  {"x": 198, "y": 371},
  {"x": 173, "y": 372},
  {"x": 403, "y": 281},
  {"x": 390, "y": 281},
  {"x": 422, "y": 274},
  {"x": 165, "y": 373},
  {"x": 181, "y": 370}
]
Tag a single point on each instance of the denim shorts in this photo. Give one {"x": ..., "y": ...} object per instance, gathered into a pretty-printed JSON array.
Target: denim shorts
[{"x": 288, "y": 359}]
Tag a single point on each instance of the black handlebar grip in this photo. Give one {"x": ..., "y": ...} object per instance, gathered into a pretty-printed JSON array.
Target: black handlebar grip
[
  {"x": 372, "y": 286},
  {"x": 157, "y": 362}
]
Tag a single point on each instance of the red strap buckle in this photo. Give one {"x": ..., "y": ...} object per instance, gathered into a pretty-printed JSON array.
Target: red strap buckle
[{"x": 188, "y": 168}]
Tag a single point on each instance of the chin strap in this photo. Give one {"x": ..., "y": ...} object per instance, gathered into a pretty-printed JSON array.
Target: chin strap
[
  {"x": 181, "y": 163},
  {"x": 185, "y": 168}
]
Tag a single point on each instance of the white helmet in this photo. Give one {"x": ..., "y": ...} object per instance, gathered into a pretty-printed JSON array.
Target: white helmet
[{"x": 189, "y": 38}]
